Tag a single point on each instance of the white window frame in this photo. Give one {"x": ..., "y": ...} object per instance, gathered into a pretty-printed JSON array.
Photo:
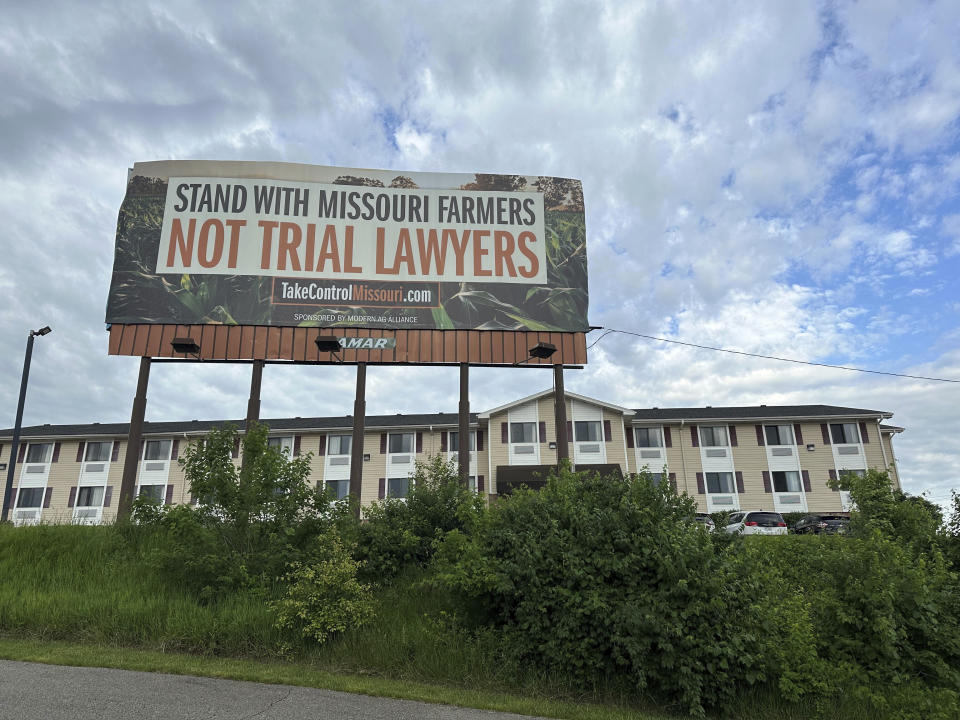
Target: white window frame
[
  {"x": 398, "y": 478},
  {"x": 336, "y": 465},
  {"x": 524, "y": 453},
  {"x": 150, "y": 476},
  {"x": 712, "y": 428},
  {"x": 844, "y": 425},
  {"x": 47, "y": 454},
  {"x": 284, "y": 443},
  {"x": 657, "y": 430},
  {"x": 793, "y": 437},
  {"x": 33, "y": 476},
  {"x": 330, "y": 438},
  {"x": 733, "y": 483},
  {"x": 346, "y": 481},
  {"x": 81, "y": 514}
]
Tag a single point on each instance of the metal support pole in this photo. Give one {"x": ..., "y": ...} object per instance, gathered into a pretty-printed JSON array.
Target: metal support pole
[
  {"x": 463, "y": 436},
  {"x": 253, "y": 404},
  {"x": 128, "y": 482},
  {"x": 356, "y": 445},
  {"x": 560, "y": 415},
  {"x": 8, "y": 489}
]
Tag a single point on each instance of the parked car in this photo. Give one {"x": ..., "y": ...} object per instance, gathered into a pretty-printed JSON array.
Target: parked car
[
  {"x": 822, "y": 524},
  {"x": 756, "y": 522},
  {"x": 705, "y": 520}
]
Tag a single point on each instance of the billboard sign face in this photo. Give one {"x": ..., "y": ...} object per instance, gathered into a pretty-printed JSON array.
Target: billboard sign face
[{"x": 299, "y": 245}]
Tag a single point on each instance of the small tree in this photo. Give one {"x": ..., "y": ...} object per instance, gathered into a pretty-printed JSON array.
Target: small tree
[{"x": 248, "y": 522}]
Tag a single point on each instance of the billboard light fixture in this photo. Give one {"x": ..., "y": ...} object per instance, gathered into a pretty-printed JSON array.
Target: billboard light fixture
[
  {"x": 542, "y": 350},
  {"x": 327, "y": 344},
  {"x": 185, "y": 345}
]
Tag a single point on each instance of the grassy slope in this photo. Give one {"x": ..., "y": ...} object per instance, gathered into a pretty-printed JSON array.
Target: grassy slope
[
  {"x": 82, "y": 596},
  {"x": 91, "y": 598}
]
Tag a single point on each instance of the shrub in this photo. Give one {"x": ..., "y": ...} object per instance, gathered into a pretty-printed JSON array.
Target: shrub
[
  {"x": 324, "y": 597},
  {"x": 402, "y": 533},
  {"x": 882, "y": 616},
  {"x": 250, "y": 523},
  {"x": 604, "y": 577},
  {"x": 881, "y": 508}
]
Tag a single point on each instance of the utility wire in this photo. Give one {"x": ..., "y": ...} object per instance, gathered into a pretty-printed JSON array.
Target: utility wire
[{"x": 766, "y": 357}]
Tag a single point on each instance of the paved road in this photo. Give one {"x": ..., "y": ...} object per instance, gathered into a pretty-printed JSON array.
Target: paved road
[{"x": 31, "y": 691}]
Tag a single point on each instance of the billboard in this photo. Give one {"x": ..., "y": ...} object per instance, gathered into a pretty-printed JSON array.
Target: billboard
[{"x": 280, "y": 244}]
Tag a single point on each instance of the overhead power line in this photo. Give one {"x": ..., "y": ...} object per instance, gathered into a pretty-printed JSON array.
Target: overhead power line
[{"x": 766, "y": 357}]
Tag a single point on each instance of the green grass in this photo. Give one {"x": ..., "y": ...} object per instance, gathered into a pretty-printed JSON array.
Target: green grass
[
  {"x": 90, "y": 596},
  {"x": 86, "y": 584}
]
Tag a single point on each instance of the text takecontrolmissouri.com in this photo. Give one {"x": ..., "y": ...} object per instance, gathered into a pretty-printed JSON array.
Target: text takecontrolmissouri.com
[{"x": 354, "y": 294}]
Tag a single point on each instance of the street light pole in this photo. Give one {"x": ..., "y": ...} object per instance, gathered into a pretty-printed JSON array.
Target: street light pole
[{"x": 11, "y": 465}]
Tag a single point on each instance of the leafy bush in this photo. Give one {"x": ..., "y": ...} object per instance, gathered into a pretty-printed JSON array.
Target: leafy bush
[
  {"x": 401, "y": 533},
  {"x": 251, "y": 521},
  {"x": 884, "y": 618},
  {"x": 603, "y": 577},
  {"x": 324, "y": 597},
  {"x": 951, "y": 532},
  {"x": 880, "y": 508}
]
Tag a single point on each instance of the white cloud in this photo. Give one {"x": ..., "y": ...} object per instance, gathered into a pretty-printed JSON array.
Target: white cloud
[{"x": 749, "y": 182}]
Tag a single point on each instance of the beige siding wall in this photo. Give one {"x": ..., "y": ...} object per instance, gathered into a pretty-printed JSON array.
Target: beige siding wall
[
  {"x": 892, "y": 466},
  {"x": 63, "y": 475},
  {"x": 499, "y": 453},
  {"x": 684, "y": 460},
  {"x": 616, "y": 447},
  {"x": 873, "y": 450},
  {"x": 373, "y": 470},
  {"x": 818, "y": 462},
  {"x": 751, "y": 460}
]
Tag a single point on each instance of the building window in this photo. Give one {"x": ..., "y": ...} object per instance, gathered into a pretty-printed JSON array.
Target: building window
[
  {"x": 715, "y": 436},
  {"x": 338, "y": 488},
  {"x": 858, "y": 473},
  {"x": 523, "y": 432},
  {"x": 39, "y": 453},
  {"x": 721, "y": 482},
  {"x": 656, "y": 478},
  {"x": 844, "y": 433},
  {"x": 648, "y": 437},
  {"x": 587, "y": 431},
  {"x": 90, "y": 496},
  {"x": 282, "y": 443},
  {"x": 156, "y": 450},
  {"x": 339, "y": 444},
  {"x": 398, "y": 487},
  {"x": 455, "y": 441},
  {"x": 30, "y": 497},
  {"x": 786, "y": 481},
  {"x": 97, "y": 452},
  {"x": 400, "y": 443},
  {"x": 152, "y": 492},
  {"x": 779, "y": 434}
]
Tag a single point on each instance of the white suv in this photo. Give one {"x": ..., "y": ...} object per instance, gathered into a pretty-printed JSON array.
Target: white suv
[{"x": 756, "y": 522}]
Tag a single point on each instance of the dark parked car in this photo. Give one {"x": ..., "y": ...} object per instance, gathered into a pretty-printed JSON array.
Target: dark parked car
[
  {"x": 705, "y": 520},
  {"x": 822, "y": 525}
]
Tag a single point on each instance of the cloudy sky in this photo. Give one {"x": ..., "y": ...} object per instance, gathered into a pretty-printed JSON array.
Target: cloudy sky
[{"x": 777, "y": 178}]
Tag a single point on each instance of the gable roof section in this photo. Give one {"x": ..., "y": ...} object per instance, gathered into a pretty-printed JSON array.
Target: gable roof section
[{"x": 549, "y": 391}]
